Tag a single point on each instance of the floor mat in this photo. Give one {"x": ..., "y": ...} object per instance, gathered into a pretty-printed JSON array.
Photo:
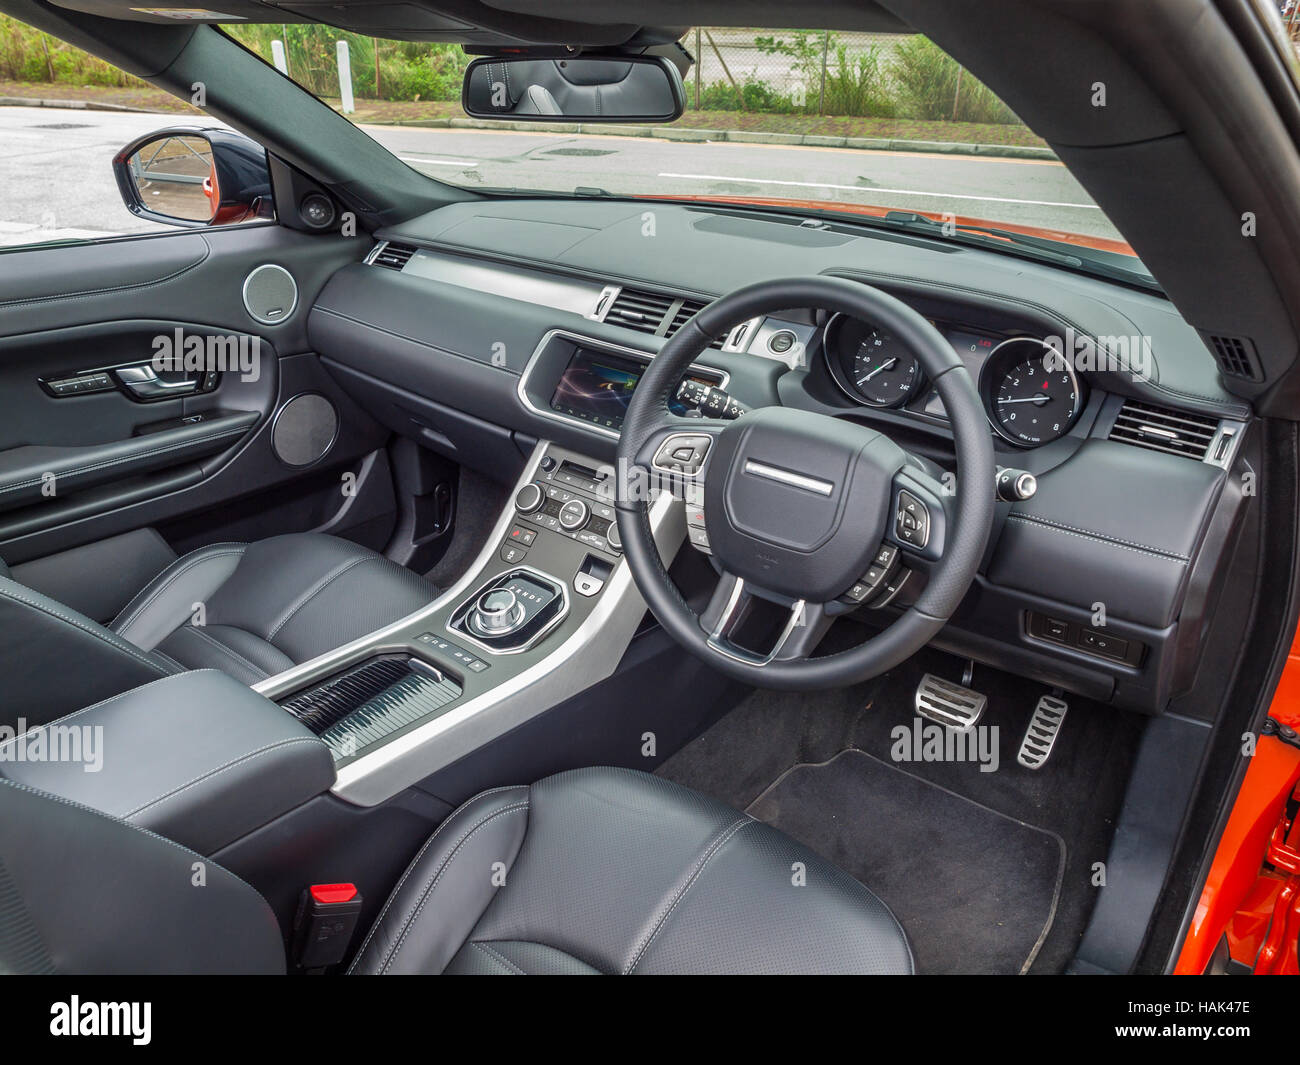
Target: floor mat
[{"x": 968, "y": 884}]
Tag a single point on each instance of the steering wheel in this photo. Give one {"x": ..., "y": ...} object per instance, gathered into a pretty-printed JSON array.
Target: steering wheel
[{"x": 808, "y": 511}]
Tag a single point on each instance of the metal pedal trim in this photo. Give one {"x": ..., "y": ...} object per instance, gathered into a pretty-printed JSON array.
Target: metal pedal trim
[
  {"x": 1040, "y": 735},
  {"x": 952, "y": 705}
]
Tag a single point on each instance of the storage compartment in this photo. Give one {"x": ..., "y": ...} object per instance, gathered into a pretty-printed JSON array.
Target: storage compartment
[
  {"x": 198, "y": 758},
  {"x": 369, "y": 703}
]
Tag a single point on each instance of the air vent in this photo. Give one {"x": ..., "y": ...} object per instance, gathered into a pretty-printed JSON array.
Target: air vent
[
  {"x": 392, "y": 256},
  {"x": 640, "y": 310},
  {"x": 688, "y": 310},
  {"x": 1236, "y": 356},
  {"x": 1161, "y": 429}
]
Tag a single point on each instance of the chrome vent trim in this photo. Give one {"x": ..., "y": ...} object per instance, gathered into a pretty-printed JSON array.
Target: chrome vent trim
[
  {"x": 1161, "y": 429},
  {"x": 391, "y": 256}
]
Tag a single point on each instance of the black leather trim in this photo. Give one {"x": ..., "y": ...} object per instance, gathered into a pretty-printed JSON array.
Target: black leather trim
[
  {"x": 198, "y": 758},
  {"x": 105, "y": 896},
  {"x": 25, "y": 471},
  {"x": 615, "y": 871},
  {"x": 1133, "y": 555}
]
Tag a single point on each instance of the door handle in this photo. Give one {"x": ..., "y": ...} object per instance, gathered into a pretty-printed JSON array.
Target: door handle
[{"x": 144, "y": 383}]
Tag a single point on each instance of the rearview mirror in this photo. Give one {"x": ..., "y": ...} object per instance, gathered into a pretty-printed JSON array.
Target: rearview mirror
[
  {"x": 192, "y": 178},
  {"x": 622, "y": 89}
]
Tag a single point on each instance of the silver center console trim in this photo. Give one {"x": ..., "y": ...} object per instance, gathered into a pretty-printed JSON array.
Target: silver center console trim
[
  {"x": 587, "y": 656},
  {"x": 521, "y": 387}
]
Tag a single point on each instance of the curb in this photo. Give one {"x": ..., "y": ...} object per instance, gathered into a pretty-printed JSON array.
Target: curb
[
  {"x": 734, "y": 136},
  {"x": 71, "y": 105},
  {"x": 667, "y": 133}
]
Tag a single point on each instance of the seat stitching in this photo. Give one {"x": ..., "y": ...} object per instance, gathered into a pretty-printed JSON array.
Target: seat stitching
[
  {"x": 499, "y": 957},
  {"x": 77, "y": 471},
  {"x": 117, "y": 644},
  {"x": 136, "y": 828},
  {"x": 180, "y": 667},
  {"x": 86, "y": 293},
  {"x": 446, "y": 862},
  {"x": 416, "y": 861},
  {"x": 93, "y": 706},
  {"x": 332, "y": 576},
  {"x": 1123, "y": 545},
  {"x": 195, "y": 558},
  {"x": 253, "y": 666},
  {"x": 713, "y": 849},
  {"x": 223, "y": 768}
]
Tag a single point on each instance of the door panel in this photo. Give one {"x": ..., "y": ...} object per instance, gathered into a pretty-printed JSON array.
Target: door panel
[{"x": 123, "y": 459}]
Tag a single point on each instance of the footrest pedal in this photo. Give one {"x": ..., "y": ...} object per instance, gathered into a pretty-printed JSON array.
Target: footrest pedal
[{"x": 1040, "y": 736}]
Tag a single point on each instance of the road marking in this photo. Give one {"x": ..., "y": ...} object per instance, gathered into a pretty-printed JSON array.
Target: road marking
[
  {"x": 438, "y": 162},
  {"x": 872, "y": 190}
]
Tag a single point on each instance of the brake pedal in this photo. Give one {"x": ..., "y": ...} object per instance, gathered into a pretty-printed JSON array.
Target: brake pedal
[
  {"x": 952, "y": 705},
  {"x": 1040, "y": 736}
]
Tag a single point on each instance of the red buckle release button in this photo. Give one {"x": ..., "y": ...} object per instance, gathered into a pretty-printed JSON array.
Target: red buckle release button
[{"x": 333, "y": 893}]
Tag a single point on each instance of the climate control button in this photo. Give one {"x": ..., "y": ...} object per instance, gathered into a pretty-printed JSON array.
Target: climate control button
[
  {"x": 529, "y": 498},
  {"x": 574, "y": 514}
]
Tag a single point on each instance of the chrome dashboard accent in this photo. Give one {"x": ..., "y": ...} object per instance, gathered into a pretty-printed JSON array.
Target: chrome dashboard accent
[
  {"x": 797, "y": 480},
  {"x": 588, "y": 655}
]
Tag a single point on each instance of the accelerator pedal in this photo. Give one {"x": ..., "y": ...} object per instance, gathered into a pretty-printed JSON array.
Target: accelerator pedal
[
  {"x": 954, "y": 706},
  {"x": 1040, "y": 736}
]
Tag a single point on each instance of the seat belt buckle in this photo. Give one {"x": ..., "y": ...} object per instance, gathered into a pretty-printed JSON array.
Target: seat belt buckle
[{"x": 323, "y": 926}]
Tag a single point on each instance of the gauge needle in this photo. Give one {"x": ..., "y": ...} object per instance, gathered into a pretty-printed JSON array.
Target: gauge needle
[
  {"x": 1040, "y": 399},
  {"x": 883, "y": 366}
]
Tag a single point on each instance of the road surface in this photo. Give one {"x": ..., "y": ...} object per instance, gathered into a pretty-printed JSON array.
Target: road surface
[{"x": 56, "y": 180}]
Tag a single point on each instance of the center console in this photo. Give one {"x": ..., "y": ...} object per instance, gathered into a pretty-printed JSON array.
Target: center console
[{"x": 546, "y": 610}]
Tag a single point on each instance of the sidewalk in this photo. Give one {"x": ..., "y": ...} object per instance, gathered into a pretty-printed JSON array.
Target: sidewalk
[{"x": 817, "y": 131}]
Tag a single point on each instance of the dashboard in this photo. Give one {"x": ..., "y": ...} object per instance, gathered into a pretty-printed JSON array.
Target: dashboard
[{"x": 486, "y": 326}]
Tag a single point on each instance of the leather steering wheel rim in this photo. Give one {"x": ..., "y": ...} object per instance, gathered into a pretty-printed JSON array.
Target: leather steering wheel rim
[{"x": 647, "y": 415}]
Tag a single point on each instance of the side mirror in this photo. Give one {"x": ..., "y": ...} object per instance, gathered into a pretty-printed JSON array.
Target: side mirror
[
  {"x": 194, "y": 178},
  {"x": 583, "y": 89}
]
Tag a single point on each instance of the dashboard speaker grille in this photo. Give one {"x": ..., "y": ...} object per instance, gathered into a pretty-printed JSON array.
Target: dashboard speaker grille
[{"x": 1160, "y": 429}]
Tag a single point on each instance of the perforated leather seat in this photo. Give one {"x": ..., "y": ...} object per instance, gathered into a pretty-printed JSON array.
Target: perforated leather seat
[
  {"x": 590, "y": 871},
  {"x": 249, "y": 610}
]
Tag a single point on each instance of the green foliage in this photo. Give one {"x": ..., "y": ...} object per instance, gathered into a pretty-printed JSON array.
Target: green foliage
[
  {"x": 28, "y": 55},
  {"x": 408, "y": 70},
  {"x": 925, "y": 77}
]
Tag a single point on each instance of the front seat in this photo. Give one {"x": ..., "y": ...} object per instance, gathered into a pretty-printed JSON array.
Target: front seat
[
  {"x": 249, "y": 610},
  {"x": 589, "y": 871}
]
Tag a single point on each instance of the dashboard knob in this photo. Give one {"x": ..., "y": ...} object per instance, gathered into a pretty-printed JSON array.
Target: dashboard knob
[
  {"x": 613, "y": 536},
  {"x": 497, "y": 612},
  {"x": 574, "y": 514},
  {"x": 1012, "y": 486},
  {"x": 529, "y": 498}
]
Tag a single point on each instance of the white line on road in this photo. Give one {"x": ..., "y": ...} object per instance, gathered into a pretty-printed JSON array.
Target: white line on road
[
  {"x": 873, "y": 189},
  {"x": 438, "y": 162}
]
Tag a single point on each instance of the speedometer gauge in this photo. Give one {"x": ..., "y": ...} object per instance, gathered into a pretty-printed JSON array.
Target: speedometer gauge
[
  {"x": 1033, "y": 395},
  {"x": 870, "y": 365}
]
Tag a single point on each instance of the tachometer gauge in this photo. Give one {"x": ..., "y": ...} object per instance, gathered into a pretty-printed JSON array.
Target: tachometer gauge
[
  {"x": 1033, "y": 395},
  {"x": 870, "y": 365}
]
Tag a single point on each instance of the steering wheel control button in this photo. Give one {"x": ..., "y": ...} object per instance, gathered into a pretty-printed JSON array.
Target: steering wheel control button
[
  {"x": 912, "y": 522},
  {"x": 574, "y": 514},
  {"x": 529, "y": 498},
  {"x": 683, "y": 453},
  {"x": 695, "y": 517},
  {"x": 699, "y": 538},
  {"x": 886, "y": 555}
]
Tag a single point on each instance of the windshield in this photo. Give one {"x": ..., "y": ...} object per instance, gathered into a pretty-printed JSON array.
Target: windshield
[{"x": 882, "y": 128}]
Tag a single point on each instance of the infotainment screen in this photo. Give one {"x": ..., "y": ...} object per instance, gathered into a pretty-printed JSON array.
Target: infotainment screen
[{"x": 597, "y": 386}]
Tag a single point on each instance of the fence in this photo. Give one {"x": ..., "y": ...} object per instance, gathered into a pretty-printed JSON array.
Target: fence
[{"x": 820, "y": 72}]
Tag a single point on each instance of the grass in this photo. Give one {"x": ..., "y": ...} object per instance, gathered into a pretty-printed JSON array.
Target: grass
[{"x": 396, "y": 111}]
